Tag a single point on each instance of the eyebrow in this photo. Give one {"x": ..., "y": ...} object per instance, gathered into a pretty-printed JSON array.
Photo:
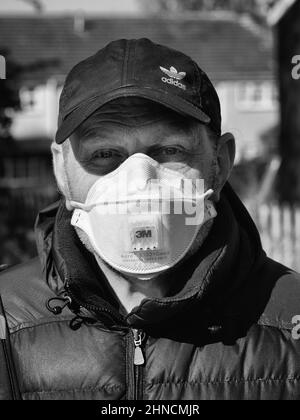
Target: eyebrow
[
  {"x": 89, "y": 150},
  {"x": 93, "y": 138}
]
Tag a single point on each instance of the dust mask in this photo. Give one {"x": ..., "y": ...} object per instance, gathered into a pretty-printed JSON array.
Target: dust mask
[{"x": 143, "y": 218}]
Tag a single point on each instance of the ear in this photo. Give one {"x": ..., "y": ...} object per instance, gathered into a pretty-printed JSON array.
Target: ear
[
  {"x": 225, "y": 161},
  {"x": 59, "y": 172}
]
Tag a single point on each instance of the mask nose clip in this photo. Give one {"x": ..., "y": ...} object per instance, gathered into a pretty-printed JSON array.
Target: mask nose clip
[{"x": 140, "y": 173}]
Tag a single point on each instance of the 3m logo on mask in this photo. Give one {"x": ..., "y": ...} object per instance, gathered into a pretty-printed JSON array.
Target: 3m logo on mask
[
  {"x": 173, "y": 74},
  {"x": 143, "y": 234},
  {"x": 143, "y": 238}
]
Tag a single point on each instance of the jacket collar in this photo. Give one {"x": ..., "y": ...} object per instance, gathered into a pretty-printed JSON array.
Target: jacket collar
[{"x": 214, "y": 279}]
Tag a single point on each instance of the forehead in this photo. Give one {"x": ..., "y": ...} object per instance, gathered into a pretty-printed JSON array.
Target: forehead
[{"x": 135, "y": 113}]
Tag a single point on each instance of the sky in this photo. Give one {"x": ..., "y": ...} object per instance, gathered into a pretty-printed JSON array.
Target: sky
[{"x": 60, "y": 6}]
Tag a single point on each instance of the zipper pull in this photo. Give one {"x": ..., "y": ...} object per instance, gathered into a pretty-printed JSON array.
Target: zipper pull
[{"x": 138, "y": 354}]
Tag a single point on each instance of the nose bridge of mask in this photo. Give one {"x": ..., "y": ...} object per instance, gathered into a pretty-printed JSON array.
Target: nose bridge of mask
[
  {"x": 137, "y": 174},
  {"x": 133, "y": 175},
  {"x": 139, "y": 169}
]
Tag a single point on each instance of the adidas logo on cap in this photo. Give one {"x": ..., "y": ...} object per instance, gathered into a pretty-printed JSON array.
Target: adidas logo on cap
[{"x": 174, "y": 77}]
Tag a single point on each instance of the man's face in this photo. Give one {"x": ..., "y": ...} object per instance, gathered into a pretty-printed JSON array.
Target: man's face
[
  {"x": 132, "y": 125},
  {"x": 102, "y": 144}
]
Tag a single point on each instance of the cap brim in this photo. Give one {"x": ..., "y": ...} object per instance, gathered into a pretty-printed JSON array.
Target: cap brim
[{"x": 82, "y": 112}]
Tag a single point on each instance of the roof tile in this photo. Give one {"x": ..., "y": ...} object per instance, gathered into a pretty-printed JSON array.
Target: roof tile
[{"x": 225, "y": 48}]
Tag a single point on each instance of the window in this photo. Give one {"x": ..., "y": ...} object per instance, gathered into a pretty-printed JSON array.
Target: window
[
  {"x": 256, "y": 96},
  {"x": 33, "y": 99}
]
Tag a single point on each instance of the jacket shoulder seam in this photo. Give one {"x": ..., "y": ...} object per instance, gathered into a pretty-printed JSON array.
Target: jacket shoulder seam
[
  {"x": 86, "y": 388},
  {"x": 280, "y": 325},
  {"x": 233, "y": 380},
  {"x": 27, "y": 325}
]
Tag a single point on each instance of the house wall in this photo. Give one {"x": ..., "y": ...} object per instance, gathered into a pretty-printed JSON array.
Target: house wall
[
  {"x": 38, "y": 117},
  {"x": 249, "y": 109}
]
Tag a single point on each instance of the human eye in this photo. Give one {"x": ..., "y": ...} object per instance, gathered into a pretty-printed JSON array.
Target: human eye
[
  {"x": 106, "y": 154},
  {"x": 105, "y": 160},
  {"x": 170, "y": 153}
]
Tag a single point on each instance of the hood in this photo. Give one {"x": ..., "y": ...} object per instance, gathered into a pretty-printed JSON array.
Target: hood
[{"x": 219, "y": 293}]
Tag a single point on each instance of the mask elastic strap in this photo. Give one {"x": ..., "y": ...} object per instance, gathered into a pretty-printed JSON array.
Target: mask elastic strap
[
  {"x": 82, "y": 206},
  {"x": 208, "y": 193}
]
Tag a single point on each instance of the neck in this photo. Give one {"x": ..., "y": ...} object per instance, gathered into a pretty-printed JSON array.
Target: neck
[{"x": 132, "y": 290}]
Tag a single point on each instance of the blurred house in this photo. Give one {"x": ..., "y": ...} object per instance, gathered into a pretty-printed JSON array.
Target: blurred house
[{"x": 236, "y": 54}]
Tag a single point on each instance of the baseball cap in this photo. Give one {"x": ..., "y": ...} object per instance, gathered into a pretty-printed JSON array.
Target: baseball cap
[{"x": 140, "y": 68}]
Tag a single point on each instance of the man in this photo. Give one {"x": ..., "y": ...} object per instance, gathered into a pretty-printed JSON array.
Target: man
[{"x": 131, "y": 302}]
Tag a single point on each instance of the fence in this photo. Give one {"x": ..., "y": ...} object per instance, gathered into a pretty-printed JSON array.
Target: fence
[
  {"x": 279, "y": 227},
  {"x": 26, "y": 186}
]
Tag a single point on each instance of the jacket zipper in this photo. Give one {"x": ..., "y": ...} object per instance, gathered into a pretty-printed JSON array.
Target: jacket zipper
[
  {"x": 138, "y": 363},
  {"x": 113, "y": 315},
  {"x": 138, "y": 338},
  {"x": 138, "y": 353}
]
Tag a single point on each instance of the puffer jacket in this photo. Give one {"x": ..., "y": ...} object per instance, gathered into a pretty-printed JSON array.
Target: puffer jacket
[{"x": 225, "y": 331}]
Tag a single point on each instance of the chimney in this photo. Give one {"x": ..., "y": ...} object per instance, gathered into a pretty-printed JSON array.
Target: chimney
[{"x": 79, "y": 22}]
